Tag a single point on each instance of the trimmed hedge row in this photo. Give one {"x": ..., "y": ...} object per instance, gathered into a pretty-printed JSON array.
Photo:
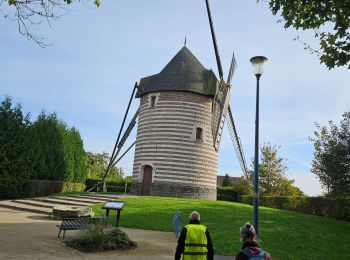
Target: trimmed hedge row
[
  {"x": 226, "y": 193},
  {"x": 337, "y": 208},
  {"x": 34, "y": 188},
  {"x": 112, "y": 186}
]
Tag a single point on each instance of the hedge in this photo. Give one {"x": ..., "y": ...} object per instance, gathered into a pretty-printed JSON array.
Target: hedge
[
  {"x": 226, "y": 193},
  {"x": 337, "y": 208},
  {"x": 34, "y": 188},
  {"x": 112, "y": 186}
]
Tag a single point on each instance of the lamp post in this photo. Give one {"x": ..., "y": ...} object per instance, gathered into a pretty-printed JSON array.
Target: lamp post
[{"x": 258, "y": 70}]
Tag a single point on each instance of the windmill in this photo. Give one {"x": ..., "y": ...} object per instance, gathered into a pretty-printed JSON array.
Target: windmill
[
  {"x": 176, "y": 145},
  {"x": 221, "y": 107}
]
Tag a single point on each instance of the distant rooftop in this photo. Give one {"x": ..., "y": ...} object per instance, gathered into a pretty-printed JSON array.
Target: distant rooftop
[{"x": 183, "y": 73}]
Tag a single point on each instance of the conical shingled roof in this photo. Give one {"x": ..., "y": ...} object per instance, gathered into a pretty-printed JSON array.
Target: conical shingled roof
[{"x": 183, "y": 73}]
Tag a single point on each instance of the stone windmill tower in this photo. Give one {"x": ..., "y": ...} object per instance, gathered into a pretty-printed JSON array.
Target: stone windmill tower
[
  {"x": 180, "y": 121},
  {"x": 181, "y": 117},
  {"x": 174, "y": 153}
]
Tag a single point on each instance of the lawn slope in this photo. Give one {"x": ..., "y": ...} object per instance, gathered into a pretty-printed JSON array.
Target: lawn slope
[{"x": 286, "y": 234}]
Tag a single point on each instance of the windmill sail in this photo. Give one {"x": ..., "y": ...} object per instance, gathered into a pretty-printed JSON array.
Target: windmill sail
[
  {"x": 237, "y": 143},
  {"x": 219, "y": 111},
  {"x": 222, "y": 97}
]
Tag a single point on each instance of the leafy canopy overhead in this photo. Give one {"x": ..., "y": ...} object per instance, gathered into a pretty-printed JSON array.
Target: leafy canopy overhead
[{"x": 330, "y": 21}]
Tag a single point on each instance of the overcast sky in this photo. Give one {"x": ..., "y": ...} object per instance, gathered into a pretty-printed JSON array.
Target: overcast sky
[{"x": 97, "y": 54}]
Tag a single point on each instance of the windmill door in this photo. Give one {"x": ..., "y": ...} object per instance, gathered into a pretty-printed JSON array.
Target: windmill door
[{"x": 147, "y": 180}]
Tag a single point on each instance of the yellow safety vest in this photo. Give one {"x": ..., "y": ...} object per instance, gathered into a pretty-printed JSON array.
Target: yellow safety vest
[{"x": 195, "y": 243}]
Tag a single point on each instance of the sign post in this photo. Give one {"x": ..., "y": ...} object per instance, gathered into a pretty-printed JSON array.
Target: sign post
[{"x": 114, "y": 205}]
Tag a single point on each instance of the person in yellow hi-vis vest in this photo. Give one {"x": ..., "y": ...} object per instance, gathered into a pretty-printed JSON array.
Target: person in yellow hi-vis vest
[{"x": 194, "y": 242}]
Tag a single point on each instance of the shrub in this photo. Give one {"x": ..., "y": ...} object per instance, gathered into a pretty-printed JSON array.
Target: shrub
[
  {"x": 112, "y": 186},
  {"x": 34, "y": 188},
  {"x": 46, "y": 149},
  {"x": 10, "y": 187},
  {"x": 337, "y": 208},
  {"x": 95, "y": 239},
  {"x": 226, "y": 193}
]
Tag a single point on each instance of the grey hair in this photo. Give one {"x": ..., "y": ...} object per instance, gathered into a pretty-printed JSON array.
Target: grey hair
[
  {"x": 195, "y": 216},
  {"x": 247, "y": 233}
]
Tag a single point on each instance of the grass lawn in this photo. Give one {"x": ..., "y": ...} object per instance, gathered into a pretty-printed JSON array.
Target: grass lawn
[{"x": 285, "y": 234}]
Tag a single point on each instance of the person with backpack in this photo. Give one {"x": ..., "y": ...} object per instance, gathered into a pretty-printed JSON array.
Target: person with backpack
[
  {"x": 194, "y": 242},
  {"x": 250, "y": 248}
]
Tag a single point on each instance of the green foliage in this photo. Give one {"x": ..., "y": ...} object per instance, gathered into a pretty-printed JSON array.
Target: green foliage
[
  {"x": 272, "y": 174},
  {"x": 45, "y": 149},
  {"x": 226, "y": 182},
  {"x": 330, "y": 21},
  {"x": 272, "y": 170},
  {"x": 57, "y": 150},
  {"x": 281, "y": 231},
  {"x": 97, "y": 164},
  {"x": 14, "y": 161},
  {"x": 226, "y": 193},
  {"x": 112, "y": 186},
  {"x": 95, "y": 239},
  {"x": 244, "y": 186},
  {"x": 331, "y": 163},
  {"x": 35, "y": 188},
  {"x": 320, "y": 206}
]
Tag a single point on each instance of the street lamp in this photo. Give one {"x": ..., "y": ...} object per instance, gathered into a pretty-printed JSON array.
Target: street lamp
[{"x": 258, "y": 70}]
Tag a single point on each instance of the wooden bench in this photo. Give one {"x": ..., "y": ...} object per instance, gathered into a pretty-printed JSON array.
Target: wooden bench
[{"x": 80, "y": 223}]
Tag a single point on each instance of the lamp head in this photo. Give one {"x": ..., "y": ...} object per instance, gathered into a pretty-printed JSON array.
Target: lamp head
[{"x": 258, "y": 65}]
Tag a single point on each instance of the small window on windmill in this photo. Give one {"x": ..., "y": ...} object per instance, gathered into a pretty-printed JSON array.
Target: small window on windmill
[
  {"x": 153, "y": 101},
  {"x": 199, "y": 133}
]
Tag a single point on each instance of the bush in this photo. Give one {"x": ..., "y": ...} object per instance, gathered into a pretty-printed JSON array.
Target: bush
[
  {"x": 95, "y": 239},
  {"x": 112, "y": 186},
  {"x": 10, "y": 187},
  {"x": 46, "y": 149},
  {"x": 226, "y": 193},
  {"x": 337, "y": 208},
  {"x": 34, "y": 188}
]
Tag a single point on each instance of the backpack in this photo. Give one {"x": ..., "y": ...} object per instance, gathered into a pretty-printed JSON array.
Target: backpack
[{"x": 259, "y": 256}]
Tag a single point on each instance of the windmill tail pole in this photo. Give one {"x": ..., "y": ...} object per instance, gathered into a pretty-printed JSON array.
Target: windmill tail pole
[
  {"x": 116, "y": 143},
  {"x": 124, "y": 154},
  {"x": 218, "y": 61}
]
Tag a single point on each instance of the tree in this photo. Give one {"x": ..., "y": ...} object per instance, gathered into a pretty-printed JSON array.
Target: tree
[
  {"x": 226, "y": 182},
  {"x": 319, "y": 16},
  {"x": 32, "y": 12},
  {"x": 14, "y": 145},
  {"x": 97, "y": 164},
  {"x": 331, "y": 161},
  {"x": 272, "y": 174},
  {"x": 245, "y": 185},
  {"x": 56, "y": 150}
]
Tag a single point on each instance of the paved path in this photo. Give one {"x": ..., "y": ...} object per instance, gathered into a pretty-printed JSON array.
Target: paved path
[{"x": 27, "y": 232}]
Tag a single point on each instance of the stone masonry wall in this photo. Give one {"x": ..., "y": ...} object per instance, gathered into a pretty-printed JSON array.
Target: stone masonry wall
[{"x": 166, "y": 140}]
